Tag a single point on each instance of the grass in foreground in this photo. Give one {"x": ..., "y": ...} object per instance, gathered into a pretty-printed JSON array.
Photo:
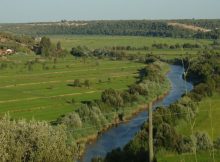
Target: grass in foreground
[
  {"x": 201, "y": 157},
  {"x": 205, "y": 117}
]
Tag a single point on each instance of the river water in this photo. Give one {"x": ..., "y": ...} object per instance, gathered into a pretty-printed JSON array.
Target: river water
[{"x": 121, "y": 135}]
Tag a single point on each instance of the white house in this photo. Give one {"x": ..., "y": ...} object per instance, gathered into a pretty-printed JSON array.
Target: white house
[{"x": 9, "y": 51}]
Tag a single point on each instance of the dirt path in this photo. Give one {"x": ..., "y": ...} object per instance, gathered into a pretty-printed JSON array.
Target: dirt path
[
  {"x": 49, "y": 97},
  {"x": 63, "y": 72},
  {"x": 189, "y": 27}
]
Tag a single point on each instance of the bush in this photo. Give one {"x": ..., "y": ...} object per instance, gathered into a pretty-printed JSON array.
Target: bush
[
  {"x": 91, "y": 115},
  {"x": 186, "y": 145},
  {"x": 71, "y": 120},
  {"x": 200, "y": 91},
  {"x": 76, "y": 83},
  {"x": 166, "y": 136},
  {"x": 202, "y": 141},
  {"x": 217, "y": 144},
  {"x": 112, "y": 97},
  {"x": 138, "y": 89},
  {"x": 34, "y": 141}
]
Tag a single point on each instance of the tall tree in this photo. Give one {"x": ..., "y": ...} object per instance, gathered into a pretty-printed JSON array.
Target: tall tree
[
  {"x": 45, "y": 46},
  {"x": 59, "y": 47}
]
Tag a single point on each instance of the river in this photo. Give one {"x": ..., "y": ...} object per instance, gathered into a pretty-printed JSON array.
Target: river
[{"x": 121, "y": 135}]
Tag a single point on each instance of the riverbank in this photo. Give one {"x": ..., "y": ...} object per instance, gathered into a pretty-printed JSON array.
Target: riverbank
[
  {"x": 134, "y": 111},
  {"x": 119, "y": 136},
  {"x": 93, "y": 138}
]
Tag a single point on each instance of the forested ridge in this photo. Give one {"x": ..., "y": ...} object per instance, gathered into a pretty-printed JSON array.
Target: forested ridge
[{"x": 154, "y": 28}]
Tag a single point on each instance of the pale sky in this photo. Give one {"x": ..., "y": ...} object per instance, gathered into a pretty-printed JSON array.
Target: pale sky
[{"x": 56, "y": 10}]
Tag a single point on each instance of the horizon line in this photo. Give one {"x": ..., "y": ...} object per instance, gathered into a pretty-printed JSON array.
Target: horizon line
[{"x": 55, "y": 21}]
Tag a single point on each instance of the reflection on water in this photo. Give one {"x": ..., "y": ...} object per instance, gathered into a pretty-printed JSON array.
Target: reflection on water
[{"x": 121, "y": 135}]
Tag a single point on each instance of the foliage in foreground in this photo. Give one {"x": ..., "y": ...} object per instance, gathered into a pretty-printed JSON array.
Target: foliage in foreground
[{"x": 34, "y": 141}]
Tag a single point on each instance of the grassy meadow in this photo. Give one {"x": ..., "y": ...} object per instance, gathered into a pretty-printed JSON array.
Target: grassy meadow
[
  {"x": 45, "y": 94},
  {"x": 69, "y": 41},
  {"x": 94, "y": 42},
  {"x": 200, "y": 157},
  {"x": 42, "y": 90}
]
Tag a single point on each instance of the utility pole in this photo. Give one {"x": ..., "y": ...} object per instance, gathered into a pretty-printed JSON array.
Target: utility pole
[{"x": 151, "y": 149}]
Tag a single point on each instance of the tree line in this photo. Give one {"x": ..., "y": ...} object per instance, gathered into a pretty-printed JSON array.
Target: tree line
[{"x": 155, "y": 28}]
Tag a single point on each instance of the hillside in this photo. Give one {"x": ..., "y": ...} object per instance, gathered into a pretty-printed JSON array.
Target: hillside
[
  {"x": 155, "y": 28},
  {"x": 16, "y": 43}
]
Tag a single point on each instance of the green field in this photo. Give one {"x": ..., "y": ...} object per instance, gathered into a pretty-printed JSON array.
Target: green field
[
  {"x": 94, "y": 42},
  {"x": 45, "y": 94},
  {"x": 69, "y": 41},
  {"x": 200, "y": 157}
]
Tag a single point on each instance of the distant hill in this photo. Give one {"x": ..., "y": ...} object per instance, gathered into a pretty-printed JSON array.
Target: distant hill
[{"x": 153, "y": 28}]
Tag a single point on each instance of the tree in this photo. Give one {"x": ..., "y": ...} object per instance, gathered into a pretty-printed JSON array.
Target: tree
[
  {"x": 87, "y": 83},
  {"x": 45, "y": 46},
  {"x": 76, "y": 83},
  {"x": 59, "y": 47},
  {"x": 78, "y": 51}
]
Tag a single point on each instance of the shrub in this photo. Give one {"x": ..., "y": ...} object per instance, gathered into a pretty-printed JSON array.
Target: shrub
[
  {"x": 166, "y": 136},
  {"x": 139, "y": 89},
  {"x": 112, "y": 97},
  {"x": 217, "y": 144},
  {"x": 186, "y": 145},
  {"x": 34, "y": 141},
  {"x": 91, "y": 115},
  {"x": 202, "y": 141},
  {"x": 71, "y": 120},
  {"x": 76, "y": 83}
]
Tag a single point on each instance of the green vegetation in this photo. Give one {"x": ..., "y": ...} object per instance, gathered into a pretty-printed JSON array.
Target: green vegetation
[
  {"x": 105, "y": 94},
  {"x": 81, "y": 85},
  {"x": 48, "y": 85},
  {"x": 173, "y": 157},
  {"x": 186, "y": 128},
  {"x": 18, "y": 43},
  {"x": 34, "y": 141},
  {"x": 93, "y": 42},
  {"x": 155, "y": 28},
  {"x": 203, "y": 119},
  {"x": 40, "y": 88},
  {"x": 133, "y": 47}
]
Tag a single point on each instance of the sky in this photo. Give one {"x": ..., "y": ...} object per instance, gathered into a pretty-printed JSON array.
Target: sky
[{"x": 13, "y": 11}]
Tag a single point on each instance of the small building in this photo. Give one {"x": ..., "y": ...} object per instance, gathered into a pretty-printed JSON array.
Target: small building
[{"x": 9, "y": 51}]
